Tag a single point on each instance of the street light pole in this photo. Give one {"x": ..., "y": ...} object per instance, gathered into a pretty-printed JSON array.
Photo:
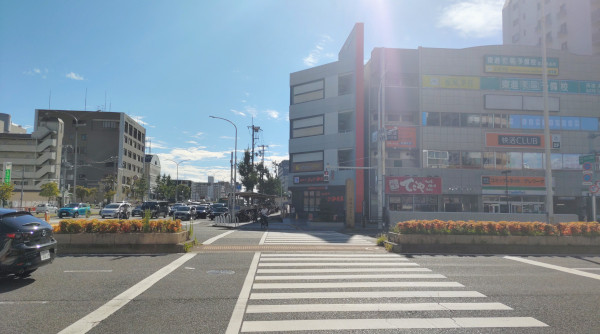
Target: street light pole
[
  {"x": 234, "y": 162},
  {"x": 506, "y": 172},
  {"x": 177, "y": 163}
]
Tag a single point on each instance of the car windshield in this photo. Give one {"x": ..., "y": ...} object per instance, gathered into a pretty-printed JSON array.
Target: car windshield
[
  {"x": 183, "y": 208},
  {"x": 220, "y": 209},
  {"x": 112, "y": 206},
  {"x": 72, "y": 205}
]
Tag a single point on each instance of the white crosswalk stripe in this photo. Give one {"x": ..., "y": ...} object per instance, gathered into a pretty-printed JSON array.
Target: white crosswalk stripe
[
  {"x": 313, "y": 238},
  {"x": 331, "y": 292}
]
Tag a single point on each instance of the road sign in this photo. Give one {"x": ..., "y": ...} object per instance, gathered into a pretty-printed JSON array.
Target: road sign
[
  {"x": 586, "y": 158},
  {"x": 594, "y": 189},
  {"x": 588, "y": 166},
  {"x": 587, "y": 178}
]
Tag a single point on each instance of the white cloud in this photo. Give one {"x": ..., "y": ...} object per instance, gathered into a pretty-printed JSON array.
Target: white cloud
[
  {"x": 191, "y": 142},
  {"x": 272, "y": 113},
  {"x": 198, "y": 135},
  {"x": 140, "y": 121},
  {"x": 37, "y": 71},
  {"x": 473, "y": 18},
  {"x": 74, "y": 76},
  {"x": 316, "y": 54},
  {"x": 237, "y": 112}
]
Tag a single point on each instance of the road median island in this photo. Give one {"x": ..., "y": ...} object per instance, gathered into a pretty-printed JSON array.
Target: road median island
[
  {"x": 471, "y": 237},
  {"x": 120, "y": 237}
]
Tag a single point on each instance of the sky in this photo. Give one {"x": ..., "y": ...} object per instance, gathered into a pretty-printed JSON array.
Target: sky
[{"x": 170, "y": 64}]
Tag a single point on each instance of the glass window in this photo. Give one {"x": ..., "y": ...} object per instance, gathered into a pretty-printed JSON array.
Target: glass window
[
  {"x": 345, "y": 84},
  {"x": 345, "y": 158},
  {"x": 470, "y": 120},
  {"x": 345, "y": 122},
  {"x": 489, "y": 160},
  {"x": 454, "y": 159},
  {"x": 450, "y": 119},
  {"x": 500, "y": 121},
  {"x": 431, "y": 118},
  {"x": 515, "y": 160},
  {"x": 533, "y": 161},
  {"x": 308, "y": 92},
  {"x": 304, "y": 127},
  {"x": 556, "y": 160},
  {"x": 501, "y": 159},
  {"x": 571, "y": 161},
  {"x": 471, "y": 159},
  {"x": 487, "y": 121}
]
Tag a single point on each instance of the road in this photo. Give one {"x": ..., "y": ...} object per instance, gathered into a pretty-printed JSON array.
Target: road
[{"x": 289, "y": 280}]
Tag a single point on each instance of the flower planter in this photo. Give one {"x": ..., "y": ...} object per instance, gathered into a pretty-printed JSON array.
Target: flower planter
[
  {"x": 121, "y": 243},
  {"x": 493, "y": 244}
]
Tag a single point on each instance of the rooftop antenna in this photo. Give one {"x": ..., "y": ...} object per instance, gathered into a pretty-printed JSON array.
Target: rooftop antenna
[
  {"x": 49, "y": 99},
  {"x": 85, "y": 105},
  {"x": 104, "y": 100}
]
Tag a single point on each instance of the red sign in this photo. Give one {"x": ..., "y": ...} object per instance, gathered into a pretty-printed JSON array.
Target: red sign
[
  {"x": 401, "y": 137},
  {"x": 413, "y": 185}
]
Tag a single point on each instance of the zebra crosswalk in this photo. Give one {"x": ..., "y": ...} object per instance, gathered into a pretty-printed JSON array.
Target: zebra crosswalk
[
  {"x": 351, "y": 291},
  {"x": 312, "y": 238}
]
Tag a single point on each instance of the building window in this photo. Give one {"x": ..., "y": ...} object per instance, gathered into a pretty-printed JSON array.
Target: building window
[
  {"x": 307, "y": 162},
  {"x": 344, "y": 84},
  {"x": 310, "y": 91},
  {"x": 431, "y": 118},
  {"x": 109, "y": 124},
  {"x": 450, "y": 119},
  {"x": 564, "y": 46},
  {"x": 345, "y": 158},
  {"x": 306, "y": 127},
  {"x": 345, "y": 122}
]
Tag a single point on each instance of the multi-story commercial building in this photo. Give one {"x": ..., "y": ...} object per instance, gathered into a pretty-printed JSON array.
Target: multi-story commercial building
[
  {"x": 6, "y": 125},
  {"x": 463, "y": 133},
  {"x": 35, "y": 160},
  {"x": 109, "y": 145},
  {"x": 283, "y": 171},
  {"x": 151, "y": 172},
  {"x": 327, "y": 134},
  {"x": 571, "y": 25}
]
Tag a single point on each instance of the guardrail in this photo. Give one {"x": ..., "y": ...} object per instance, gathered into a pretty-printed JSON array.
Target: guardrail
[{"x": 227, "y": 221}]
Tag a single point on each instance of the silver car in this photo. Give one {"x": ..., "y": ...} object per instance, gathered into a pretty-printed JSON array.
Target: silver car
[
  {"x": 46, "y": 207},
  {"x": 116, "y": 210}
]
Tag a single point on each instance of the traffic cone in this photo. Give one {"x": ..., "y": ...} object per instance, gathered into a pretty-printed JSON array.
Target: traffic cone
[{"x": 47, "y": 217}]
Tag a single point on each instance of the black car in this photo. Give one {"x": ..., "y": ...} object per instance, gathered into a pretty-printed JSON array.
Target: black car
[
  {"x": 184, "y": 213},
  {"x": 157, "y": 208},
  {"x": 218, "y": 211},
  {"x": 202, "y": 211},
  {"x": 137, "y": 211},
  {"x": 26, "y": 243}
]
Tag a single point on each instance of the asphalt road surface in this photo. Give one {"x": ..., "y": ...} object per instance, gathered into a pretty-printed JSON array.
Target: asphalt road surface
[{"x": 286, "y": 279}]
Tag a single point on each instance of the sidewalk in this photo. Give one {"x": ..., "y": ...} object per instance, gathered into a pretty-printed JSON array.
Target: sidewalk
[{"x": 306, "y": 225}]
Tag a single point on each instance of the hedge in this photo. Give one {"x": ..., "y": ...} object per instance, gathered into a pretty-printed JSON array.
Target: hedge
[
  {"x": 497, "y": 228},
  {"x": 117, "y": 226}
]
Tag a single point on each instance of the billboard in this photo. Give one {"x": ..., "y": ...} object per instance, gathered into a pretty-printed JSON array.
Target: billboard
[
  {"x": 514, "y": 140},
  {"x": 401, "y": 137},
  {"x": 413, "y": 185}
]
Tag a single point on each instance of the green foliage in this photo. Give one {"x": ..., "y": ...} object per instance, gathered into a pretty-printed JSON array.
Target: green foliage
[
  {"x": 248, "y": 173},
  {"x": 382, "y": 239},
  {"x": 82, "y": 192},
  {"x": 146, "y": 220},
  {"x": 49, "y": 190},
  {"x": 165, "y": 188},
  {"x": 6, "y": 191},
  {"x": 88, "y": 213},
  {"x": 139, "y": 188},
  {"x": 182, "y": 192}
]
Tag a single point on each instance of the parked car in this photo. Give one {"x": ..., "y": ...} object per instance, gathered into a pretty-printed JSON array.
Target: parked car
[
  {"x": 202, "y": 211},
  {"x": 137, "y": 211},
  {"x": 157, "y": 208},
  {"x": 73, "y": 210},
  {"x": 116, "y": 210},
  {"x": 46, "y": 207},
  {"x": 174, "y": 208},
  {"x": 184, "y": 212},
  {"x": 218, "y": 211},
  {"x": 26, "y": 243}
]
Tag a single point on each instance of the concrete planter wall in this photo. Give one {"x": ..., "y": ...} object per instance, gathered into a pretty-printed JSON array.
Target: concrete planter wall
[
  {"x": 492, "y": 244},
  {"x": 117, "y": 243}
]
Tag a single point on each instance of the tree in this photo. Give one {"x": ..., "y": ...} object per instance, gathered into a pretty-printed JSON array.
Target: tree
[
  {"x": 182, "y": 192},
  {"x": 108, "y": 184},
  {"x": 165, "y": 188},
  {"x": 49, "y": 190},
  {"x": 5, "y": 192},
  {"x": 139, "y": 188},
  {"x": 82, "y": 192},
  {"x": 248, "y": 174}
]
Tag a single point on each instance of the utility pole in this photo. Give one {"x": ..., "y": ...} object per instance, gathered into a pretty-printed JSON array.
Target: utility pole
[
  {"x": 255, "y": 133},
  {"x": 261, "y": 152}
]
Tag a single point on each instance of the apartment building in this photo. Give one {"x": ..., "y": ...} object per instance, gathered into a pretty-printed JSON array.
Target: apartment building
[
  {"x": 35, "y": 159},
  {"x": 107, "y": 145},
  {"x": 571, "y": 25}
]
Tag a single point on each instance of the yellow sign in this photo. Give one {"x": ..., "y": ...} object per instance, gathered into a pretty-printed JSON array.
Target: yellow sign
[{"x": 450, "y": 82}]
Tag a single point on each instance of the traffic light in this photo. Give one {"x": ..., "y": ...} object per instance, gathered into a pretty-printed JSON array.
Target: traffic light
[{"x": 326, "y": 175}]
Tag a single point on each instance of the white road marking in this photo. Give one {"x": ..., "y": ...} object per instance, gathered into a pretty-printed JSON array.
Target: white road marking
[
  {"x": 340, "y": 270},
  {"x": 344, "y": 277},
  {"x": 338, "y": 264},
  {"x": 367, "y": 294},
  {"x": 262, "y": 240},
  {"x": 89, "y": 271},
  {"x": 86, "y": 323},
  {"x": 555, "y": 267},
  {"x": 237, "y": 316},
  {"x": 389, "y": 259},
  {"x": 213, "y": 239},
  {"x": 382, "y": 307},
  {"x": 586, "y": 268},
  {"x": 343, "y": 285},
  {"x": 312, "y": 255},
  {"x": 401, "y": 323},
  {"x": 24, "y": 302}
]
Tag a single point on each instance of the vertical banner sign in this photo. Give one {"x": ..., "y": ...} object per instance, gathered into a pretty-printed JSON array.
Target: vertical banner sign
[{"x": 7, "y": 171}]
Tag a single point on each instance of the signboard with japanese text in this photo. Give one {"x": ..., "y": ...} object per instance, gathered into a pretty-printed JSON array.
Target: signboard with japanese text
[
  {"x": 311, "y": 178},
  {"x": 450, "y": 82},
  {"x": 519, "y": 64},
  {"x": 401, "y": 137},
  {"x": 413, "y": 185},
  {"x": 513, "y": 140},
  {"x": 517, "y": 185},
  {"x": 309, "y": 166},
  {"x": 7, "y": 171}
]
